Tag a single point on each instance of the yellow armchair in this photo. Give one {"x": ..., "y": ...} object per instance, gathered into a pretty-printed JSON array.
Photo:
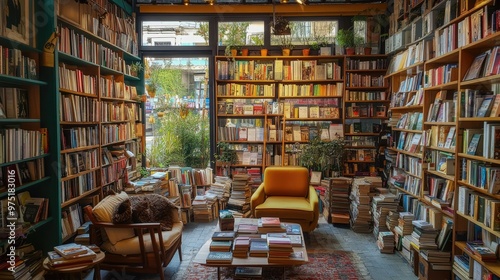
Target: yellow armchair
[{"x": 286, "y": 193}]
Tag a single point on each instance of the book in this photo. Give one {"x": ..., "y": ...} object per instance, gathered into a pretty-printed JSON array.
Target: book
[
  {"x": 292, "y": 228},
  {"x": 475, "y": 69},
  {"x": 474, "y": 144},
  {"x": 70, "y": 250},
  {"x": 219, "y": 257},
  {"x": 223, "y": 235},
  {"x": 270, "y": 221},
  {"x": 248, "y": 271}
]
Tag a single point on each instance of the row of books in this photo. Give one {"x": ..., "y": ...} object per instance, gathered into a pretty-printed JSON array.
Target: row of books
[
  {"x": 35, "y": 144},
  {"x": 357, "y": 64},
  {"x": 352, "y": 95},
  {"x": 294, "y": 70},
  {"x": 74, "y": 163},
  {"x": 412, "y": 55},
  {"x": 74, "y": 79},
  {"x": 362, "y": 80},
  {"x": 21, "y": 173},
  {"x": 366, "y": 110},
  {"x": 77, "y": 137},
  {"x": 14, "y": 63},
  {"x": 480, "y": 175},
  {"x": 481, "y": 208},
  {"x": 485, "y": 64},
  {"x": 441, "y": 75},
  {"x": 74, "y": 187},
  {"x": 119, "y": 132},
  {"x": 112, "y": 112},
  {"x": 109, "y": 87}
]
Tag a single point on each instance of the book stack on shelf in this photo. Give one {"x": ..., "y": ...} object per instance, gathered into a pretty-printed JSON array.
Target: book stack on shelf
[
  {"x": 424, "y": 235},
  {"x": 71, "y": 254},
  {"x": 385, "y": 242}
]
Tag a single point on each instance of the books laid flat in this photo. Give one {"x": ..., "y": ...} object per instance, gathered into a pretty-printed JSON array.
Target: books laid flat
[
  {"x": 56, "y": 260},
  {"x": 270, "y": 221},
  {"x": 219, "y": 257},
  {"x": 70, "y": 249},
  {"x": 248, "y": 271},
  {"x": 223, "y": 235}
]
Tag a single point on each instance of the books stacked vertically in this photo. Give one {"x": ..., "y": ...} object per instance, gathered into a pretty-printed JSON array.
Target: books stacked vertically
[
  {"x": 241, "y": 246},
  {"x": 361, "y": 219},
  {"x": 392, "y": 220},
  {"x": 240, "y": 194},
  {"x": 255, "y": 177},
  {"x": 385, "y": 242},
  {"x": 381, "y": 206},
  {"x": 338, "y": 194},
  {"x": 461, "y": 266},
  {"x": 280, "y": 249},
  {"x": 424, "y": 235},
  {"x": 71, "y": 254},
  {"x": 221, "y": 245}
]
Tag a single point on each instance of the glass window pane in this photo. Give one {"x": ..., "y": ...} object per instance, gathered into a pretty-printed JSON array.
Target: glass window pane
[
  {"x": 307, "y": 32},
  {"x": 175, "y": 33},
  {"x": 240, "y": 33}
]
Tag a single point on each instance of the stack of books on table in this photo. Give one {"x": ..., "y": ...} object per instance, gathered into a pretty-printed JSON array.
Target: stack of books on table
[
  {"x": 385, "y": 242},
  {"x": 270, "y": 224},
  {"x": 258, "y": 247},
  {"x": 280, "y": 249},
  {"x": 71, "y": 254},
  {"x": 220, "y": 247},
  {"x": 241, "y": 247}
]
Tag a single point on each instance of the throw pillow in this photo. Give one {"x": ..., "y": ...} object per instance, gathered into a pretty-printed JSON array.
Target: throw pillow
[{"x": 104, "y": 211}]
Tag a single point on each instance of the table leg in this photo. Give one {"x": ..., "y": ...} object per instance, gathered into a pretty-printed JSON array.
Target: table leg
[
  {"x": 97, "y": 272},
  {"x": 218, "y": 273},
  {"x": 283, "y": 273}
]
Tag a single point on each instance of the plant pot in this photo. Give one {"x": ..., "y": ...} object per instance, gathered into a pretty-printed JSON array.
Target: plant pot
[
  {"x": 234, "y": 52},
  {"x": 350, "y": 51},
  {"x": 286, "y": 52},
  {"x": 244, "y": 52},
  {"x": 263, "y": 52},
  {"x": 367, "y": 50},
  {"x": 305, "y": 52},
  {"x": 325, "y": 51}
]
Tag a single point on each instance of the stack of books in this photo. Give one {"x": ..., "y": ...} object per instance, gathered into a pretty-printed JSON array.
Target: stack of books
[
  {"x": 280, "y": 249},
  {"x": 338, "y": 194},
  {"x": 361, "y": 219},
  {"x": 258, "y": 247},
  {"x": 381, "y": 205},
  {"x": 219, "y": 258},
  {"x": 240, "y": 194},
  {"x": 241, "y": 246},
  {"x": 247, "y": 272},
  {"x": 424, "y": 235},
  {"x": 270, "y": 224},
  {"x": 385, "y": 242},
  {"x": 28, "y": 264},
  {"x": 221, "y": 245},
  {"x": 70, "y": 255}
]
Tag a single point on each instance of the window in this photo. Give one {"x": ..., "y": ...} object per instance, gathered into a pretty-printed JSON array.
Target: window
[
  {"x": 239, "y": 33},
  {"x": 307, "y": 32},
  {"x": 175, "y": 33}
]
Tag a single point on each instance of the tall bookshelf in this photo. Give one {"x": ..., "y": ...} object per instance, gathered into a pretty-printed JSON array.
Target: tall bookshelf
[
  {"x": 269, "y": 107},
  {"x": 366, "y": 103},
  {"x": 65, "y": 94},
  {"x": 449, "y": 168}
]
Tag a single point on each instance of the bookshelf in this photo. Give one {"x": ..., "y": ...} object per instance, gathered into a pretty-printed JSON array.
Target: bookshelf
[
  {"x": 458, "y": 92},
  {"x": 366, "y": 103},
  {"x": 268, "y": 107}
]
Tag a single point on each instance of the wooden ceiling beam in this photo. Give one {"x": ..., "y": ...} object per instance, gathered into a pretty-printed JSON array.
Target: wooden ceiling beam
[{"x": 287, "y": 10}]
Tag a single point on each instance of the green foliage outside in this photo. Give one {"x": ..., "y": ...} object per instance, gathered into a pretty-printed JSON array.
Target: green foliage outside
[{"x": 180, "y": 141}]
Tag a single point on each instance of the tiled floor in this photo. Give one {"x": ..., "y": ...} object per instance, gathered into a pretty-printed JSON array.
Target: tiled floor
[{"x": 379, "y": 266}]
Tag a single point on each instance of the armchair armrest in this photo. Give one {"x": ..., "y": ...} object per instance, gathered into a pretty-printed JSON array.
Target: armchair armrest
[
  {"x": 313, "y": 201},
  {"x": 258, "y": 197}
]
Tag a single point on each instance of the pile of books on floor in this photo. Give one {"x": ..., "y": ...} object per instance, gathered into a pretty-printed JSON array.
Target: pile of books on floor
[
  {"x": 220, "y": 247},
  {"x": 72, "y": 254},
  {"x": 385, "y": 242},
  {"x": 28, "y": 264},
  {"x": 203, "y": 208},
  {"x": 403, "y": 228},
  {"x": 240, "y": 194},
  {"x": 221, "y": 188},
  {"x": 361, "y": 219},
  {"x": 392, "y": 220},
  {"x": 338, "y": 192},
  {"x": 381, "y": 205}
]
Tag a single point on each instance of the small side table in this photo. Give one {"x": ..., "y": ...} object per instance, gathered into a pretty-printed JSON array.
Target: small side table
[{"x": 76, "y": 270}]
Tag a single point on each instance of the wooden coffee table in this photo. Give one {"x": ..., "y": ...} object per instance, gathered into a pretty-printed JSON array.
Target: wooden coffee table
[
  {"x": 250, "y": 261},
  {"x": 75, "y": 271}
]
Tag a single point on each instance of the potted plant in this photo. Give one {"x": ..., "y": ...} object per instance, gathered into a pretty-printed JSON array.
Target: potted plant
[
  {"x": 345, "y": 39},
  {"x": 258, "y": 40},
  {"x": 136, "y": 68},
  {"x": 323, "y": 155},
  {"x": 306, "y": 41},
  {"x": 286, "y": 44},
  {"x": 225, "y": 157}
]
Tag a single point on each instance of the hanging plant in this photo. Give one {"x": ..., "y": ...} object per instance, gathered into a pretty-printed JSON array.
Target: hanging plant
[{"x": 281, "y": 26}]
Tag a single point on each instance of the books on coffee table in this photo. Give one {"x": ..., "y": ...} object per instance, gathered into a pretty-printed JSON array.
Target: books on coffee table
[
  {"x": 219, "y": 258},
  {"x": 223, "y": 235},
  {"x": 248, "y": 272}
]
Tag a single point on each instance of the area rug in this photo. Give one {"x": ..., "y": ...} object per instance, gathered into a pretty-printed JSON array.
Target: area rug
[{"x": 322, "y": 265}]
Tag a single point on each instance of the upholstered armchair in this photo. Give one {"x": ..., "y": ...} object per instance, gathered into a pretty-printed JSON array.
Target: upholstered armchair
[
  {"x": 133, "y": 247},
  {"x": 286, "y": 193}
]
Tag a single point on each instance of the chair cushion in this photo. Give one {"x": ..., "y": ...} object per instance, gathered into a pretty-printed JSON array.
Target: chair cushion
[
  {"x": 131, "y": 246},
  {"x": 286, "y": 181},
  {"x": 104, "y": 211},
  {"x": 286, "y": 207}
]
